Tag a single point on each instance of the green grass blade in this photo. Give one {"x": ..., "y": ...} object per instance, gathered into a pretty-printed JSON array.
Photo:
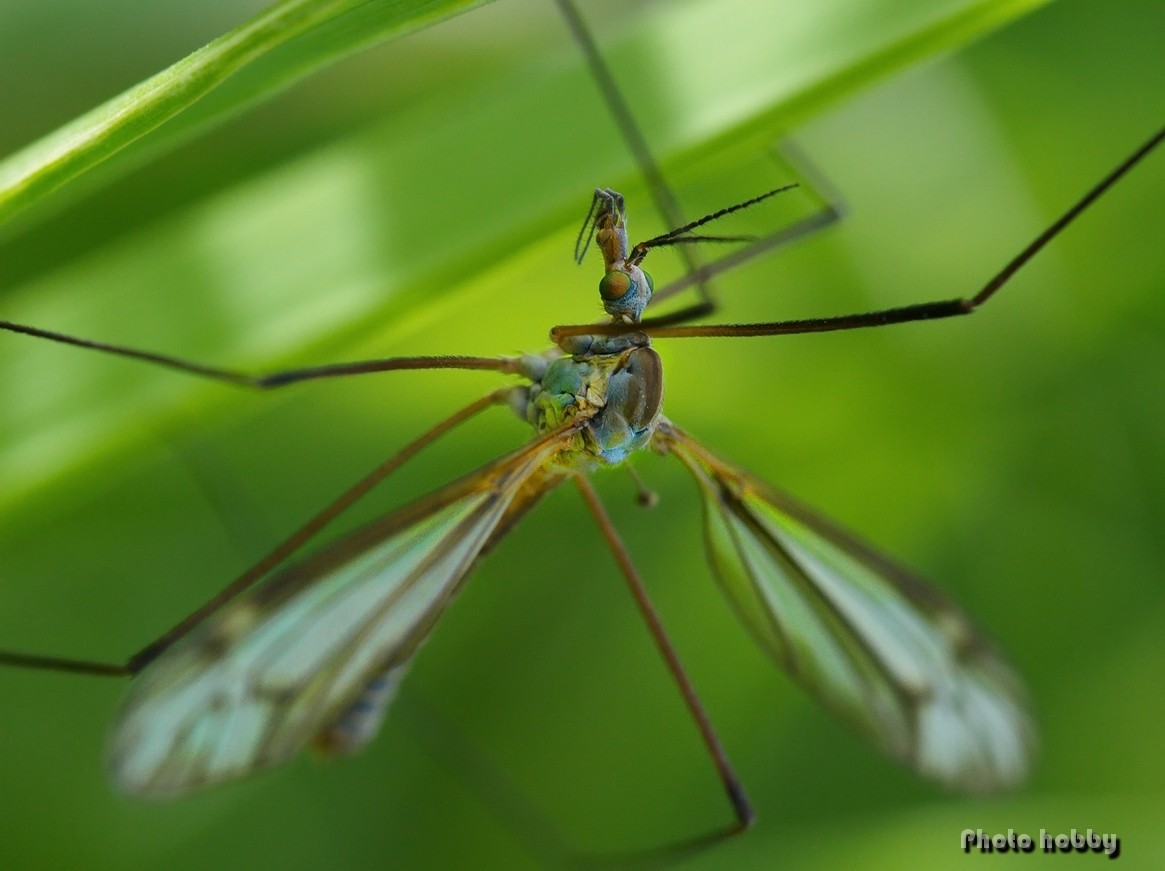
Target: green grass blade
[{"x": 274, "y": 49}]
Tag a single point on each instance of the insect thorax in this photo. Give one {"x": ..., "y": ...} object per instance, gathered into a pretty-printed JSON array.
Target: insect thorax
[{"x": 616, "y": 382}]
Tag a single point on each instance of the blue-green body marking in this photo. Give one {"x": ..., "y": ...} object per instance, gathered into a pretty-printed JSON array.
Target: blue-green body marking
[{"x": 616, "y": 382}]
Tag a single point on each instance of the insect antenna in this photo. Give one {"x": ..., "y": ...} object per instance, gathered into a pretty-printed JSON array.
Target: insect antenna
[{"x": 684, "y": 234}]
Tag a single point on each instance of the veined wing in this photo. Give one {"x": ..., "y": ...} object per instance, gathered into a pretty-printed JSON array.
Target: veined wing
[
  {"x": 886, "y": 652},
  {"x": 316, "y": 651}
]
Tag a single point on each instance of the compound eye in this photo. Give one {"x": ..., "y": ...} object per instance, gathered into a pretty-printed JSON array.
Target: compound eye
[{"x": 615, "y": 285}]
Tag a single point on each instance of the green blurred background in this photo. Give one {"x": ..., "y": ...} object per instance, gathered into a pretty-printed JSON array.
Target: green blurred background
[{"x": 423, "y": 197}]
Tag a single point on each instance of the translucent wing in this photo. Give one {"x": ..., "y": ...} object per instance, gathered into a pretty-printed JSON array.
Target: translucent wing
[
  {"x": 883, "y": 650},
  {"x": 317, "y": 651}
]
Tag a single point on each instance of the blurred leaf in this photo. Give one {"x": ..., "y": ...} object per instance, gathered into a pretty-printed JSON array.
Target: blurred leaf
[{"x": 290, "y": 40}]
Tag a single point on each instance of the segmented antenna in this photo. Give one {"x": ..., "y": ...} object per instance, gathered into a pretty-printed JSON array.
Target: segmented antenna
[{"x": 681, "y": 235}]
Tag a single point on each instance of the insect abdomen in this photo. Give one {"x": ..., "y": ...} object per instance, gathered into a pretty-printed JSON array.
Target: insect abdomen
[{"x": 633, "y": 403}]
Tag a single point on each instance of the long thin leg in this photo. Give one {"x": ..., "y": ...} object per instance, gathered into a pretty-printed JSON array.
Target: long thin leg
[
  {"x": 734, "y": 789},
  {"x": 288, "y": 546},
  {"x": 920, "y": 312},
  {"x": 695, "y": 274},
  {"x": 274, "y": 379},
  {"x": 665, "y": 200}
]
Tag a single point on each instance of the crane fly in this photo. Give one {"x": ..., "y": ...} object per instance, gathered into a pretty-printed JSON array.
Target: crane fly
[
  {"x": 314, "y": 653},
  {"x": 310, "y": 654}
]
